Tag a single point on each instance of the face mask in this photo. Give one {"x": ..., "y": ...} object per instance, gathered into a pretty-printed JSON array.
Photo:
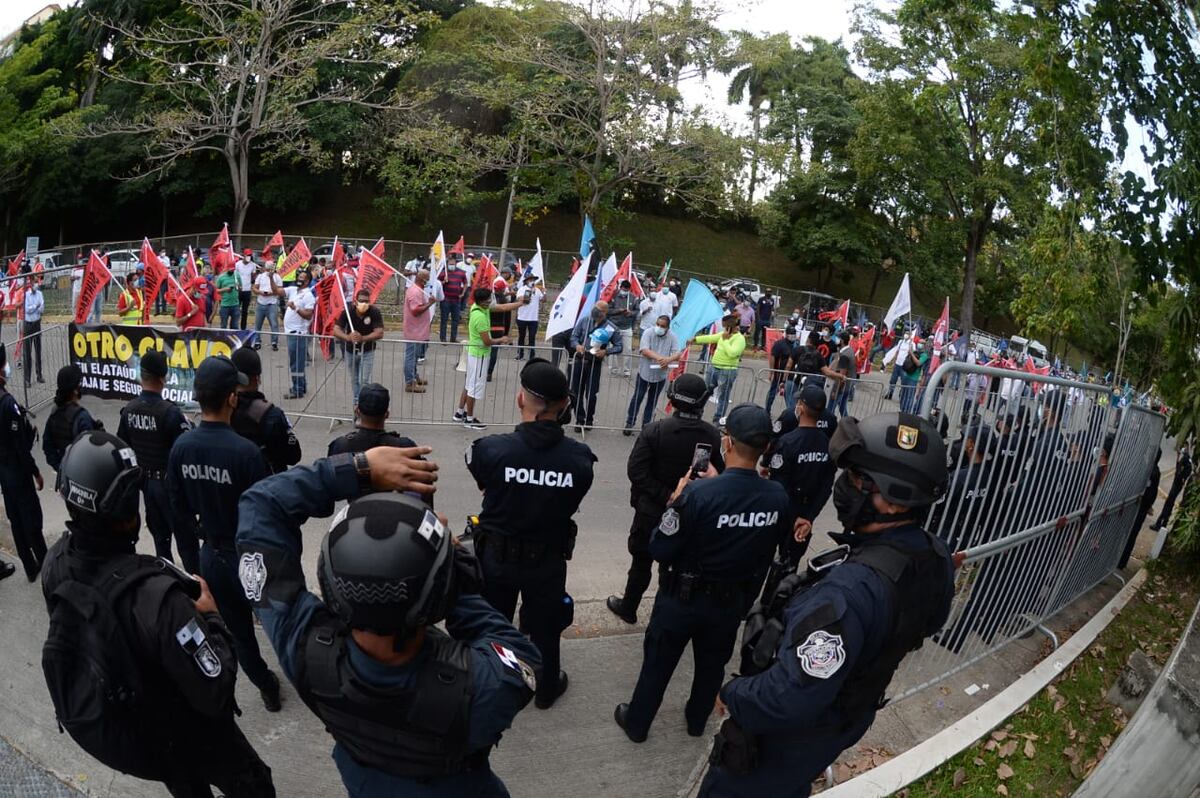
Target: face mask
[
  {"x": 849, "y": 501},
  {"x": 791, "y": 338},
  {"x": 597, "y": 315},
  {"x": 624, "y": 293},
  {"x": 660, "y": 331}
]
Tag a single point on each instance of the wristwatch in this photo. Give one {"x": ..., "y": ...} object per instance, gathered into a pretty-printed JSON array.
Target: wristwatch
[{"x": 363, "y": 468}]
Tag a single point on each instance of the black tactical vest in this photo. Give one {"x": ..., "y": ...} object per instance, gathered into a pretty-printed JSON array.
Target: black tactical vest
[
  {"x": 60, "y": 427},
  {"x": 414, "y": 732},
  {"x": 248, "y": 415},
  {"x": 146, "y": 427}
]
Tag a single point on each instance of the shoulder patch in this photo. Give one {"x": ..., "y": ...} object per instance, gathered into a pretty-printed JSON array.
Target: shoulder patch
[
  {"x": 511, "y": 660},
  {"x": 776, "y": 426},
  {"x": 470, "y": 452},
  {"x": 777, "y": 460},
  {"x": 207, "y": 660},
  {"x": 821, "y": 654},
  {"x": 252, "y": 572},
  {"x": 669, "y": 523}
]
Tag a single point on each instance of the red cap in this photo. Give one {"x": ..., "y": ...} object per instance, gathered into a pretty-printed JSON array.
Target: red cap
[{"x": 247, "y": 251}]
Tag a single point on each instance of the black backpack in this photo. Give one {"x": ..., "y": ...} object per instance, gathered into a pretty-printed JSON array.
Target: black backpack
[{"x": 101, "y": 694}]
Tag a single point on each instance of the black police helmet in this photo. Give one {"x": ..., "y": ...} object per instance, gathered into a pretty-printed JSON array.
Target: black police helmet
[
  {"x": 901, "y": 453},
  {"x": 99, "y": 478},
  {"x": 386, "y": 565},
  {"x": 688, "y": 392}
]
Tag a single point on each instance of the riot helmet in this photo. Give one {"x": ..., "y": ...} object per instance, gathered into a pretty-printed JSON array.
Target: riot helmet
[
  {"x": 386, "y": 565},
  {"x": 99, "y": 479}
]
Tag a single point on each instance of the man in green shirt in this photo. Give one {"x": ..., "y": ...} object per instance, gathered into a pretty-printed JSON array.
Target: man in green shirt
[
  {"x": 724, "y": 367},
  {"x": 228, "y": 291},
  {"x": 479, "y": 348}
]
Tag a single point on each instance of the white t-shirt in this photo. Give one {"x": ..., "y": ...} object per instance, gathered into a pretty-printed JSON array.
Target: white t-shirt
[
  {"x": 433, "y": 290},
  {"x": 245, "y": 273},
  {"x": 646, "y": 309},
  {"x": 267, "y": 281},
  {"x": 665, "y": 304},
  {"x": 529, "y": 312},
  {"x": 293, "y": 322}
]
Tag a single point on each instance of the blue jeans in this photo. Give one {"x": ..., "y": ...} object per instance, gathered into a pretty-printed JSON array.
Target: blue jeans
[
  {"x": 908, "y": 395},
  {"x": 451, "y": 312},
  {"x": 229, "y": 317},
  {"x": 649, "y": 391},
  {"x": 266, "y": 313},
  {"x": 360, "y": 365},
  {"x": 896, "y": 375},
  {"x": 297, "y": 347},
  {"x": 773, "y": 391},
  {"x": 412, "y": 351},
  {"x": 721, "y": 381}
]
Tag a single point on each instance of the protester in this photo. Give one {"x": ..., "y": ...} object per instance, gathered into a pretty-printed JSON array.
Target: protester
[
  {"x": 764, "y": 312},
  {"x": 31, "y": 329},
  {"x": 745, "y": 312},
  {"x": 245, "y": 269},
  {"x": 780, "y": 358},
  {"x": 454, "y": 288},
  {"x": 228, "y": 298},
  {"x": 418, "y": 321},
  {"x": 622, "y": 313},
  {"x": 911, "y": 372},
  {"x": 480, "y": 344},
  {"x": 358, "y": 329},
  {"x": 267, "y": 288},
  {"x": 531, "y": 297},
  {"x": 722, "y": 372},
  {"x": 593, "y": 338},
  {"x": 301, "y": 305},
  {"x": 189, "y": 312},
  {"x": 847, "y": 365},
  {"x": 129, "y": 301},
  {"x": 660, "y": 350},
  {"x": 501, "y": 314}
]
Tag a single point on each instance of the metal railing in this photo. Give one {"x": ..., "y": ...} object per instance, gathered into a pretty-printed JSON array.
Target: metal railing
[{"x": 1040, "y": 514}]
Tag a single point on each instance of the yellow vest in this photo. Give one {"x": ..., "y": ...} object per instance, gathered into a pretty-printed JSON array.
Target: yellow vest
[{"x": 133, "y": 309}]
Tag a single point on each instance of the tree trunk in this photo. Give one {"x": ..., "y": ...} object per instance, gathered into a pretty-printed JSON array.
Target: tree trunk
[
  {"x": 975, "y": 237},
  {"x": 874, "y": 285},
  {"x": 757, "y": 117},
  {"x": 239, "y": 167}
]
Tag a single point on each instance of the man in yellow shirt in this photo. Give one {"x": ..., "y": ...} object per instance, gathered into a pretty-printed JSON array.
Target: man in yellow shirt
[{"x": 722, "y": 372}]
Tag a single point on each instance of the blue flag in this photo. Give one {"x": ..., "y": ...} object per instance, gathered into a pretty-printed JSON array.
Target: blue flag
[
  {"x": 585, "y": 240},
  {"x": 698, "y": 311}
]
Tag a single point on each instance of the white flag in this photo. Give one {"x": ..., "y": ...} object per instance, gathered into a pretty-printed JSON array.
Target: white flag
[
  {"x": 566, "y": 308},
  {"x": 534, "y": 266},
  {"x": 901, "y": 305},
  {"x": 437, "y": 255}
]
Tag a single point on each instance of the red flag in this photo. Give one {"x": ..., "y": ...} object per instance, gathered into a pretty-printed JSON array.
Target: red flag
[
  {"x": 840, "y": 313},
  {"x": 190, "y": 272},
  {"x": 156, "y": 274},
  {"x": 862, "y": 351},
  {"x": 373, "y": 274},
  {"x": 276, "y": 241},
  {"x": 485, "y": 277},
  {"x": 182, "y": 300},
  {"x": 220, "y": 254},
  {"x": 377, "y": 250},
  {"x": 339, "y": 254},
  {"x": 680, "y": 368},
  {"x": 624, "y": 272},
  {"x": 14, "y": 265},
  {"x": 941, "y": 331},
  {"x": 95, "y": 276},
  {"x": 299, "y": 256},
  {"x": 459, "y": 248}
]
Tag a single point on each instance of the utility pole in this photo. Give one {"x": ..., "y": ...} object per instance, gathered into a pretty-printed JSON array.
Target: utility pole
[{"x": 512, "y": 195}]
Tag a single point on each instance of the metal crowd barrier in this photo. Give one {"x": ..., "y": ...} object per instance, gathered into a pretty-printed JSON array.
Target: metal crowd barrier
[
  {"x": 1042, "y": 519},
  {"x": 864, "y": 397}
]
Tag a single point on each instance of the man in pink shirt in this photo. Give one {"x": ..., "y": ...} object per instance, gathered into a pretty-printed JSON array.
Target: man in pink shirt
[{"x": 417, "y": 322}]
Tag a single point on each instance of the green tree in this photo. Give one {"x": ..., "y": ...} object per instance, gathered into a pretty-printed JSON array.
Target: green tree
[{"x": 757, "y": 64}]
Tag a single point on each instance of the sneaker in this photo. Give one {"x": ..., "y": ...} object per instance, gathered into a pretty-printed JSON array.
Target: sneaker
[
  {"x": 625, "y": 373},
  {"x": 420, "y": 381},
  {"x": 1155, "y": 526},
  {"x": 274, "y": 347},
  {"x": 489, "y": 378},
  {"x": 292, "y": 395},
  {"x": 420, "y": 360},
  {"x": 578, "y": 429},
  {"x": 628, "y": 430},
  {"x": 470, "y": 422},
  {"x": 460, "y": 416},
  {"x": 414, "y": 387},
  {"x": 7, "y": 569},
  {"x": 271, "y": 696}
]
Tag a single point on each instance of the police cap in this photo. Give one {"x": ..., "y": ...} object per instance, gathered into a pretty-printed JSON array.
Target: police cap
[
  {"x": 748, "y": 423},
  {"x": 813, "y": 397},
  {"x": 688, "y": 390},
  {"x": 154, "y": 363},
  {"x": 541, "y": 379},
  {"x": 373, "y": 399},
  {"x": 247, "y": 361},
  {"x": 218, "y": 374}
]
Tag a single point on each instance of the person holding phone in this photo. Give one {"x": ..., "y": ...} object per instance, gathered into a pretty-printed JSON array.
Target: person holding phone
[
  {"x": 664, "y": 451},
  {"x": 715, "y": 541}
]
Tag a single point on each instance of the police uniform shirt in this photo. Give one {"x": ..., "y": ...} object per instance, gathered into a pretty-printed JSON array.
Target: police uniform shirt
[
  {"x": 957, "y": 517},
  {"x": 208, "y": 470},
  {"x": 801, "y": 464},
  {"x": 831, "y": 628},
  {"x": 727, "y": 527},
  {"x": 16, "y": 439},
  {"x": 533, "y": 480},
  {"x": 189, "y": 652},
  {"x": 662, "y": 454},
  {"x": 269, "y": 544},
  {"x": 361, "y": 439},
  {"x": 62, "y": 427},
  {"x": 151, "y": 425},
  {"x": 273, "y": 434}
]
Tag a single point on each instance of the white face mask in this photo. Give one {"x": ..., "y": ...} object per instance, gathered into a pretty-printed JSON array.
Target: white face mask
[{"x": 660, "y": 331}]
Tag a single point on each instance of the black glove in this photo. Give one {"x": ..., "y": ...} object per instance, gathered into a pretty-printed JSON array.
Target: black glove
[{"x": 468, "y": 576}]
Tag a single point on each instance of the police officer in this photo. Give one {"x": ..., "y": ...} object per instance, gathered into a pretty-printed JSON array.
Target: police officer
[
  {"x": 663, "y": 452},
  {"x": 68, "y": 419},
  {"x": 532, "y": 480},
  {"x": 371, "y": 413},
  {"x": 19, "y": 476},
  {"x": 788, "y": 420},
  {"x": 957, "y": 517},
  {"x": 715, "y": 541},
  {"x": 176, "y": 724},
  {"x": 811, "y": 691},
  {"x": 800, "y": 463},
  {"x": 208, "y": 469},
  {"x": 414, "y": 710},
  {"x": 260, "y": 421},
  {"x": 150, "y": 425}
]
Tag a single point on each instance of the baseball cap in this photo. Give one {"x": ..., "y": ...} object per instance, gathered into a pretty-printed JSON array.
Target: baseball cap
[
  {"x": 373, "y": 399},
  {"x": 247, "y": 251},
  {"x": 748, "y": 423},
  {"x": 247, "y": 361},
  {"x": 543, "y": 380},
  {"x": 812, "y": 396},
  {"x": 154, "y": 363},
  {"x": 217, "y": 373}
]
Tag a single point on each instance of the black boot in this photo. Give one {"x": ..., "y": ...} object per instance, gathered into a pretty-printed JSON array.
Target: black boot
[{"x": 616, "y": 605}]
